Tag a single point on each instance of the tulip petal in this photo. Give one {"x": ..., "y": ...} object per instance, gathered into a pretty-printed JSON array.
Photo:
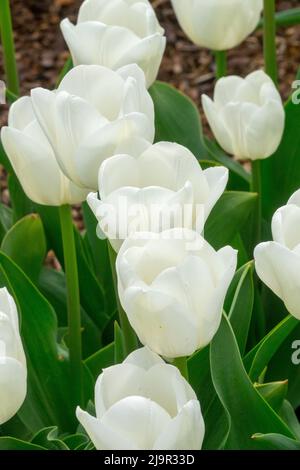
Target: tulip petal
[
  {"x": 217, "y": 179},
  {"x": 143, "y": 358},
  {"x": 221, "y": 133},
  {"x": 21, "y": 113},
  {"x": 286, "y": 226},
  {"x": 185, "y": 431},
  {"x": 13, "y": 387}
]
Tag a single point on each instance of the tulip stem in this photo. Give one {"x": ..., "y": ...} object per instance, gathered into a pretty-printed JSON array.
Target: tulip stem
[
  {"x": 221, "y": 63},
  {"x": 9, "y": 56},
  {"x": 73, "y": 302},
  {"x": 181, "y": 364},
  {"x": 270, "y": 40},
  {"x": 256, "y": 188},
  {"x": 130, "y": 340}
]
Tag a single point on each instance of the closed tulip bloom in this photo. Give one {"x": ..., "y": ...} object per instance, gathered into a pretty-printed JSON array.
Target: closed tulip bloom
[
  {"x": 246, "y": 116},
  {"x": 13, "y": 371},
  {"x": 33, "y": 159},
  {"x": 164, "y": 187},
  {"x": 172, "y": 287},
  {"x": 95, "y": 113},
  {"x": 115, "y": 33},
  {"x": 277, "y": 262},
  {"x": 144, "y": 404},
  {"x": 218, "y": 24}
]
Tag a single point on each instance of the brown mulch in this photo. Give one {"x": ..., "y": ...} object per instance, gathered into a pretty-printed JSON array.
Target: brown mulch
[{"x": 41, "y": 51}]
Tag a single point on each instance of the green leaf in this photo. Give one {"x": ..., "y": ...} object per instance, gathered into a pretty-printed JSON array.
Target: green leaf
[
  {"x": 100, "y": 360},
  {"x": 119, "y": 344},
  {"x": 10, "y": 443},
  {"x": 53, "y": 286},
  {"x": 274, "y": 393},
  {"x": 177, "y": 119},
  {"x": 75, "y": 440},
  {"x": 49, "y": 398},
  {"x": 21, "y": 204},
  {"x": 247, "y": 411},
  {"x": 6, "y": 220},
  {"x": 274, "y": 441},
  {"x": 289, "y": 416},
  {"x": 259, "y": 357},
  {"x": 4, "y": 161},
  {"x": 285, "y": 18},
  {"x": 230, "y": 213},
  {"x": 282, "y": 170},
  {"x": 48, "y": 438},
  {"x": 25, "y": 244},
  {"x": 239, "y": 304}
]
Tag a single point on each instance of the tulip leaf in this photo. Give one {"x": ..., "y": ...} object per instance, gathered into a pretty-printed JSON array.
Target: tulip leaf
[
  {"x": 53, "y": 286},
  {"x": 119, "y": 344},
  {"x": 177, "y": 119},
  {"x": 10, "y": 443},
  {"x": 49, "y": 397},
  {"x": 6, "y": 220},
  {"x": 260, "y": 356},
  {"x": 75, "y": 440},
  {"x": 282, "y": 170},
  {"x": 25, "y": 243},
  {"x": 289, "y": 416},
  {"x": 274, "y": 441},
  {"x": 100, "y": 360},
  {"x": 247, "y": 411},
  {"x": 21, "y": 204},
  {"x": 239, "y": 304},
  {"x": 228, "y": 217},
  {"x": 48, "y": 438},
  {"x": 274, "y": 393}
]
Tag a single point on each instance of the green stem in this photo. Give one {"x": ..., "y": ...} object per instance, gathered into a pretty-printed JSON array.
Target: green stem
[
  {"x": 7, "y": 39},
  {"x": 270, "y": 40},
  {"x": 130, "y": 339},
  {"x": 221, "y": 64},
  {"x": 73, "y": 301},
  {"x": 256, "y": 188},
  {"x": 181, "y": 364}
]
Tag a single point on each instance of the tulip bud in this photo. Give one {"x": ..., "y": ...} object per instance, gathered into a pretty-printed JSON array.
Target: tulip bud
[
  {"x": 218, "y": 24},
  {"x": 277, "y": 263},
  {"x": 33, "y": 160},
  {"x": 164, "y": 187},
  {"x": 172, "y": 287},
  {"x": 144, "y": 404},
  {"x": 115, "y": 33},
  {"x": 94, "y": 114},
  {"x": 13, "y": 371},
  {"x": 247, "y": 116}
]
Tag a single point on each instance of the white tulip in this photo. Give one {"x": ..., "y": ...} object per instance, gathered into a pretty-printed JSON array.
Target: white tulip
[
  {"x": 277, "y": 263},
  {"x": 94, "y": 114},
  {"x": 115, "y": 33},
  {"x": 172, "y": 287},
  {"x": 218, "y": 24},
  {"x": 13, "y": 371},
  {"x": 163, "y": 188},
  {"x": 33, "y": 160},
  {"x": 144, "y": 404},
  {"x": 247, "y": 116}
]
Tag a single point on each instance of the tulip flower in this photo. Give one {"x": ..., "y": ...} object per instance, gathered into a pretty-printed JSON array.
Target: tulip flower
[
  {"x": 33, "y": 160},
  {"x": 13, "y": 371},
  {"x": 94, "y": 114},
  {"x": 277, "y": 262},
  {"x": 172, "y": 287},
  {"x": 247, "y": 116},
  {"x": 144, "y": 404},
  {"x": 218, "y": 24},
  {"x": 163, "y": 186},
  {"x": 115, "y": 33}
]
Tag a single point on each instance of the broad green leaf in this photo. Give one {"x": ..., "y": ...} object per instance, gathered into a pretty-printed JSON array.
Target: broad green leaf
[
  {"x": 280, "y": 173},
  {"x": 274, "y": 441},
  {"x": 100, "y": 360},
  {"x": 53, "y": 286},
  {"x": 21, "y": 204},
  {"x": 239, "y": 304},
  {"x": 6, "y": 220},
  {"x": 25, "y": 244},
  {"x": 10, "y": 443},
  {"x": 49, "y": 399},
  {"x": 259, "y": 357},
  {"x": 119, "y": 344},
  {"x": 289, "y": 416},
  {"x": 228, "y": 217},
  {"x": 177, "y": 119},
  {"x": 274, "y": 393},
  {"x": 247, "y": 411},
  {"x": 75, "y": 440},
  {"x": 48, "y": 438}
]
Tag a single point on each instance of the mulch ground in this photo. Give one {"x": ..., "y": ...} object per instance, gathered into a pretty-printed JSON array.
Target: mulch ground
[{"x": 41, "y": 51}]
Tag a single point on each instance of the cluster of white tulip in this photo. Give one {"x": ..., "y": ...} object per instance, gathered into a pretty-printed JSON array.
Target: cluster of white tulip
[{"x": 95, "y": 132}]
